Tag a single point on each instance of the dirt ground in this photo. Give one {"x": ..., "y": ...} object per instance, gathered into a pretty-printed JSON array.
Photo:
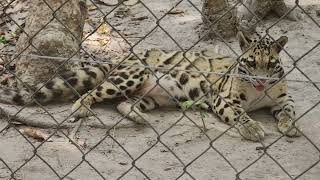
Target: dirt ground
[{"x": 148, "y": 151}]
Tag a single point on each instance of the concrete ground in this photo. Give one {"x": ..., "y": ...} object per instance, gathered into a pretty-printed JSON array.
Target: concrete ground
[{"x": 163, "y": 151}]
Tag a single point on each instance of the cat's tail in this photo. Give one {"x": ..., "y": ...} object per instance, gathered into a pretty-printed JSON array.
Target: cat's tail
[{"x": 63, "y": 87}]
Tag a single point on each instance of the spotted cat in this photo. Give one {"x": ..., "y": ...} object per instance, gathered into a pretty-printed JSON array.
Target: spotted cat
[{"x": 179, "y": 77}]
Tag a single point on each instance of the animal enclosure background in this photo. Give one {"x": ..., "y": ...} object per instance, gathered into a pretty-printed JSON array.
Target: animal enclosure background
[{"x": 174, "y": 146}]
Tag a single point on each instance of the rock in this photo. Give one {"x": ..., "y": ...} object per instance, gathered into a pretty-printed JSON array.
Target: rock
[
  {"x": 130, "y": 2},
  {"x": 218, "y": 12},
  {"x": 53, "y": 39},
  {"x": 110, "y": 2}
]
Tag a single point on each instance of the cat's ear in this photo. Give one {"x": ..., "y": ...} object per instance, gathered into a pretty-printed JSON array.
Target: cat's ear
[
  {"x": 244, "y": 41},
  {"x": 279, "y": 44}
]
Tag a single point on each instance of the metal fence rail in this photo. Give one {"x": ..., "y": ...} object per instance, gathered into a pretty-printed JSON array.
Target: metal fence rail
[{"x": 211, "y": 146}]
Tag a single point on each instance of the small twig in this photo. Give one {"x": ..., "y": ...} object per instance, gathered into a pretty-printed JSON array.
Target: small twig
[
  {"x": 139, "y": 18},
  {"x": 16, "y": 119},
  {"x": 75, "y": 130},
  {"x": 73, "y": 134},
  {"x": 176, "y": 11},
  {"x": 8, "y": 114},
  {"x": 203, "y": 115},
  {"x": 190, "y": 104},
  {"x": 113, "y": 135}
]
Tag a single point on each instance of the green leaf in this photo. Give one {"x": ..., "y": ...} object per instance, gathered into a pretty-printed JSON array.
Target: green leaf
[
  {"x": 202, "y": 105},
  {"x": 3, "y": 40},
  {"x": 204, "y": 115},
  {"x": 187, "y": 104},
  {"x": 199, "y": 104}
]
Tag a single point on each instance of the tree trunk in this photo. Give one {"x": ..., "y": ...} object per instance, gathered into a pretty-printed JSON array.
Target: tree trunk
[
  {"x": 218, "y": 19},
  {"x": 58, "y": 37}
]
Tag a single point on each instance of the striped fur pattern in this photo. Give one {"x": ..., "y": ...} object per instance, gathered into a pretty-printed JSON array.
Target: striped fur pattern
[{"x": 176, "y": 80}]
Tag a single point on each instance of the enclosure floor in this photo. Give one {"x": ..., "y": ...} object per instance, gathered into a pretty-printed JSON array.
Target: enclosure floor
[{"x": 184, "y": 139}]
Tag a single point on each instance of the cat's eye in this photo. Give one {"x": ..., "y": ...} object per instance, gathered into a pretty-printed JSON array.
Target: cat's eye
[{"x": 272, "y": 64}]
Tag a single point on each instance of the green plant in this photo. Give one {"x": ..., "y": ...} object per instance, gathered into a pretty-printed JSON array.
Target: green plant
[
  {"x": 3, "y": 40},
  {"x": 199, "y": 105}
]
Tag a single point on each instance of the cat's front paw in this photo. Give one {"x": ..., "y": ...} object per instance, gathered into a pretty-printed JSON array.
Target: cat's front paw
[
  {"x": 132, "y": 113},
  {"x": 251, "y": 130},
  {"x": 286, "y": 127}
]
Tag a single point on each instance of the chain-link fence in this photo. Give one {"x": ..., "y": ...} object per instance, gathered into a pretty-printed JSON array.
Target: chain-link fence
[{"x": 184, "y": 162}]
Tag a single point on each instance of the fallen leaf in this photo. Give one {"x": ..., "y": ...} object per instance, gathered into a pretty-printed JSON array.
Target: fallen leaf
[
  {"x": 89, "y": 21},
  {"x": 102, "y": 42},
  {"x": 104, "y": 29},
  {"x": 35, "y": 133},
  {"x": 92, "y": 8}
]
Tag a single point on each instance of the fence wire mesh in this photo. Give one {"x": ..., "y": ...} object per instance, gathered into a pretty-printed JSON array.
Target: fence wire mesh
[{"x": 109, "y": 134}]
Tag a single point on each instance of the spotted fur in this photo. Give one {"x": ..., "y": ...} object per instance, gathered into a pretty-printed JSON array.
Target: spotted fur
[{"x": 179, "y": 77}]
